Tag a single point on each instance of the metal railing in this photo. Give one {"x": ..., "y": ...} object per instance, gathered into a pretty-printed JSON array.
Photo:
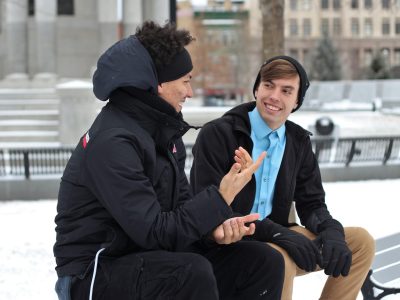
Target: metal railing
[
  {"x": 345, "y": 152},
  {"x": 381, "y": 150},
  {"x": 34, "y": 161}
]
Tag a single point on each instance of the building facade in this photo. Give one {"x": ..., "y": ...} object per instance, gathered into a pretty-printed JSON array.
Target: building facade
[
  {"x": 222, "y": 50},
  {"x": 44, "y": 39},
  {"x": 358, "y": 29}
]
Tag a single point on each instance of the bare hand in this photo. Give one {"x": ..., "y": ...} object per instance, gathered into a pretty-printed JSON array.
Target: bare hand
[
  {"x": 239, "y": 174},
  {"x": 234, "y": 229}
]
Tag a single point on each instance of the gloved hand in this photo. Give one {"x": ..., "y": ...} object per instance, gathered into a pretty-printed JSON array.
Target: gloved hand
[
  {"x": 336, "y": 256},
  {"x": 303, "y": 251}
]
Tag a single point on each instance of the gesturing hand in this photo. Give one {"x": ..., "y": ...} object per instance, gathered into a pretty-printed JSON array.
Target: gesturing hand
[
  {"x": 239, "y": 174},
  {"x": 234, "y": 229}
]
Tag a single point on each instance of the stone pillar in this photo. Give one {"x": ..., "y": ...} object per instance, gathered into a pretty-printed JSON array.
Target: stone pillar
[
  {"x": 15, "y": 30},
  {"x": 156, "y": 10},
  {"x": 132, "y": 16},
  {"x": 45, "y": 40},
  {"x": 78, "y": 109},
  {"x": 107, "y": 13},
  {"x": 159, "y": 11}
]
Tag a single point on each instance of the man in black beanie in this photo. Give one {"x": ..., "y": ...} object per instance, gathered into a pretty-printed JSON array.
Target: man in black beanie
[
  {"x": 127, "y": 222},
  {"x": 290, "y": 173}
]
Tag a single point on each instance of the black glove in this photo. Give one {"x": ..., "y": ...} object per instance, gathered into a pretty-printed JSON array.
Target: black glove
[
  {"x": 302, "y": 250},
  {"x": 336, "y": 256}
]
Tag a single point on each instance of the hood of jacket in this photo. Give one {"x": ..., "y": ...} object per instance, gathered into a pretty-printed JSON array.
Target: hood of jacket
[{"x": 126, "y": 63}]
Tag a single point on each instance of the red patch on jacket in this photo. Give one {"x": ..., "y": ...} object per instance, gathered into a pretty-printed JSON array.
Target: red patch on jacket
[{"x": 85, "y": 139}]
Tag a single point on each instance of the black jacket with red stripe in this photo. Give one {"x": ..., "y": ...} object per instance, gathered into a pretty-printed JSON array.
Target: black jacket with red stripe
[{"x": 125, "y": 189}]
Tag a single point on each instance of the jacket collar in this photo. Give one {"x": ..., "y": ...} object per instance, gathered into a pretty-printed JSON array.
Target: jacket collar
[
  {"x": 240, "y": 117},
  {"x": 152, "y": 113}
]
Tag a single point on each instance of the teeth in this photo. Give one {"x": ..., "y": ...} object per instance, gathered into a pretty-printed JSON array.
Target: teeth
[{"x": 272, "y": 107}]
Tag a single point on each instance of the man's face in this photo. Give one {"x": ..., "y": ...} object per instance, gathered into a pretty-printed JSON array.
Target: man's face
[
  {"x": 275, "y": 100},
  {"x": 175, "y": 92}
]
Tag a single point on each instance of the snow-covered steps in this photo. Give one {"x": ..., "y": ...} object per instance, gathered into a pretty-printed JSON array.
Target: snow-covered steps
[{"x": 29, "y": 115}]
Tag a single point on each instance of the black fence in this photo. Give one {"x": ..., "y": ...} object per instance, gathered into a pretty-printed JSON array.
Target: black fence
[
  {"x": 383, "y": 150},
  {"x": 345, "y": 152},
  {"x": 33, "y": 162}
]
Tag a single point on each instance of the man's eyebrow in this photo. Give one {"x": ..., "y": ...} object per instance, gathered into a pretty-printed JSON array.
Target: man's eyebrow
[{"x": 288, "y": 87}]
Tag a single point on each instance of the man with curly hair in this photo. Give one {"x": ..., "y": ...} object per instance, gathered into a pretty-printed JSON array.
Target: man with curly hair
[{"x": 128, "y": 226}]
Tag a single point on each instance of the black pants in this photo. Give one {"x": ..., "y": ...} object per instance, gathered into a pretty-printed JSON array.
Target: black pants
[{"x": 244, "y": 270}]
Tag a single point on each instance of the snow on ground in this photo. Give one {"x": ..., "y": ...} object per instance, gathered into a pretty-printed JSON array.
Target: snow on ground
[{"x": 27, "y": 236}]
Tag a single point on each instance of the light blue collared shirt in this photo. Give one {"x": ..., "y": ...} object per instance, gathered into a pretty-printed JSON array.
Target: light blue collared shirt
[{"x": 264, "y": 139}]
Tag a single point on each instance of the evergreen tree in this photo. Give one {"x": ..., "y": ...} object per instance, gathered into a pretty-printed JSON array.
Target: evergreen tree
[
  {"x": 325, "y": 61},
  {"x": 378, "y": 68}
]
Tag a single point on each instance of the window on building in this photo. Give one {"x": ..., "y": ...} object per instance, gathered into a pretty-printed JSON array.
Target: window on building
[
  {"x": 210, "y": 37},
  {"x": 337, "y": 4},
  {"x": 386, "y": 4},
  {"x": 307, "y": 59},
  {"x": 368, "y": 4},
  {"x": 386, "y": 55},
  {"x": 307, "y": 27},
  {"x": 225, "y": 39},
  {"x": 355, "y": 27},
  {"x": 354, "y": 4},
  {"x": 397, "y": 56},
  {"x": 324, "y": 4},
  {"x": 294, "y": 30},
  {"x": 385, "y": 26},
  {"x": 31, "y": 7},
  {"x": 397, "y": 27},
  {"x": 307, "y": 5},
  {"x": 294, "y": 5},
  {"x": 368, "y": 28},
  {"x": 337, "y": 27},
  {"x": 325, "y": 26},
  {"x": 65, "y": 7},
  {"x": 294, "y": 53},
  {"x": 368, "y": 57}
]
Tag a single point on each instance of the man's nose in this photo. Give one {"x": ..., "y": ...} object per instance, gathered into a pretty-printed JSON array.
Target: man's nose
[
  {"x": 189, "y": 92},
  {"x": 274, "y": 94}
]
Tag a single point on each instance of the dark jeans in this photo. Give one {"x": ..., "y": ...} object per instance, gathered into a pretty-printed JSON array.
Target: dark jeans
[{"x": 244, "y": 270}]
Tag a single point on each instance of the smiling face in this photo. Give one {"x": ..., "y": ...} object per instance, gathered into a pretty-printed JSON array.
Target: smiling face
[
  {"x": 175, "y": 92},
  {"x": 276, "y": 98}
]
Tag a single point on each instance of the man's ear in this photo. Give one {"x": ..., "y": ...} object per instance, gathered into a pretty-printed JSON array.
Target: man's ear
[
  {"x": 159, "y": 88},
  {"x": 255, "y": 93}
]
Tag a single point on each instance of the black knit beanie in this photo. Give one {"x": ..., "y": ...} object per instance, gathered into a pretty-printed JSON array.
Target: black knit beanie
[
  {"x": 304, "y": 83},
  {"x": 180, "y": 65}
]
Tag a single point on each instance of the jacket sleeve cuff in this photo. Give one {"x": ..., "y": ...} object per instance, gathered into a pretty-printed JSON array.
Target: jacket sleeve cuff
[
  {"x": 209, "y": 209},
  {"x": 316, "y": 218}
]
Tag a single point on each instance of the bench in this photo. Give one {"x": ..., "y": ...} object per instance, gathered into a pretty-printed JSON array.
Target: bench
[{"x": 385, "y": 269}]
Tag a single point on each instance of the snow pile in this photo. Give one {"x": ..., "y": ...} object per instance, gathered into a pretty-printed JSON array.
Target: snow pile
[{"x": 27, "y": 237}]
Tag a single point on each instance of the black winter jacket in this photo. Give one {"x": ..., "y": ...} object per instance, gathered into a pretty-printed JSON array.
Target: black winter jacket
[
  {"x": 125, "y": 189},
  {"x": 298, "y": 179}
]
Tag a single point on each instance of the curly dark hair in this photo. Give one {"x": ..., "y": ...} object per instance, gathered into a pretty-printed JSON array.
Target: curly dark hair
[{"x": 162, "y": 42}]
